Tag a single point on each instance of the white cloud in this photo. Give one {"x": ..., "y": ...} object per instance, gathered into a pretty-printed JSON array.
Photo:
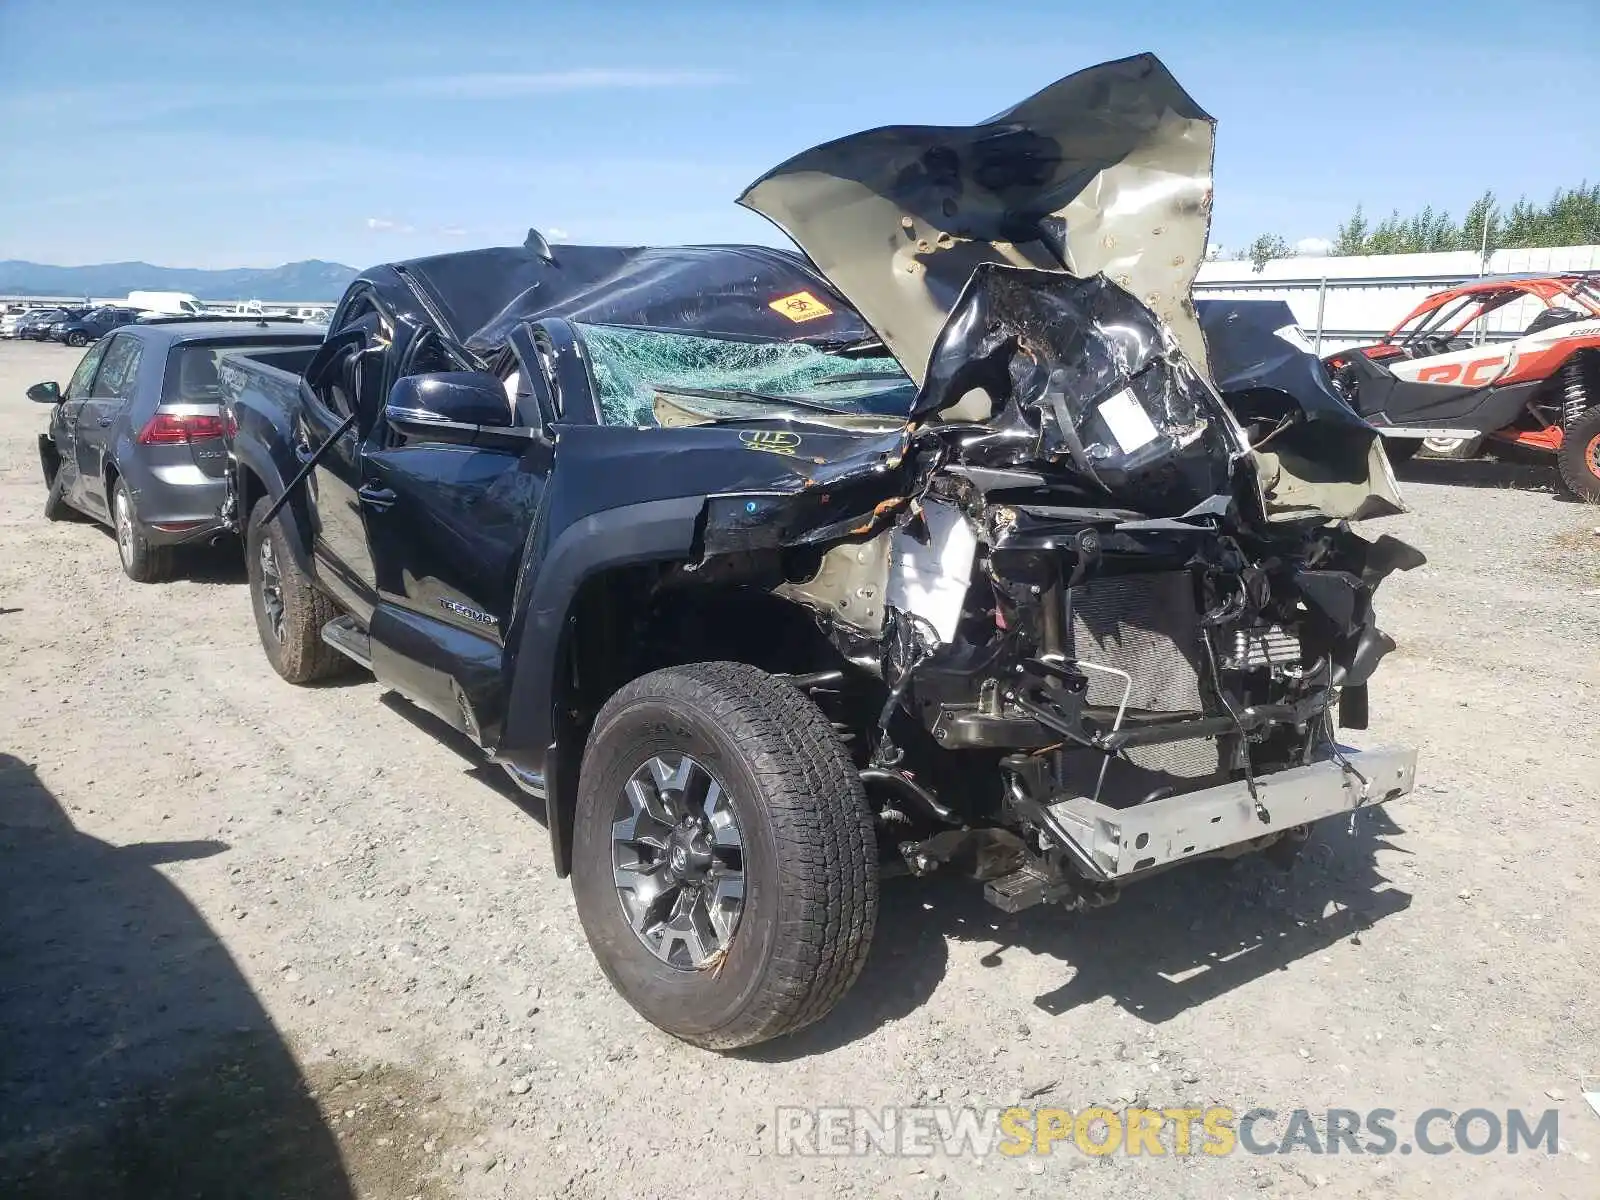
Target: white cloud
[
  {"x": 1313, "y": 247},
  {"x": 453, "y": 231},
  {"x": 554, "y": 234},
  {"x": 385, "y": 225}
]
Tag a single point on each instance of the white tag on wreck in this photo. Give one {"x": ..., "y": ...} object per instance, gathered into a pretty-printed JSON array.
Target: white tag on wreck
[
  {"x": 931, "y": 580},
  {"x": 1128, "y": 422}
]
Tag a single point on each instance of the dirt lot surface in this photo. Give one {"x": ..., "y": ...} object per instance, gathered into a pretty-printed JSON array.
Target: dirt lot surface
[{"x": 259, "y": 940}]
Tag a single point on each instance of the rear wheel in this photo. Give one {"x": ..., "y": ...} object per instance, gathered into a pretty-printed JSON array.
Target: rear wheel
[
  {"x": 290, "y": 610},
  {"x": 1579, "y": 457},
  {"x": 724, "y": 860},
  {"x": 141, "y": 561},
  {"x": 77, "y": 339}
]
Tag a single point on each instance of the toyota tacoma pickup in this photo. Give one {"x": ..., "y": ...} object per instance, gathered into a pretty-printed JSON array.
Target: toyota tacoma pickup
[{"x": 962, "y": 540}]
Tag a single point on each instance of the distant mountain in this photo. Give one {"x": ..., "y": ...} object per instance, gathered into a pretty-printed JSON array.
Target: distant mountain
[{"x": 312, "y": 280}]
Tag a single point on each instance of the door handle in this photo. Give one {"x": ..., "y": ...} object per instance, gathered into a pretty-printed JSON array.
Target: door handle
[
  {"x": 105, "y": 422},
  {"x": 375, "y": 496}
]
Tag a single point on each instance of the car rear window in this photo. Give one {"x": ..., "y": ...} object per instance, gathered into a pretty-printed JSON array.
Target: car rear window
[{"x": 192, "y": 367}]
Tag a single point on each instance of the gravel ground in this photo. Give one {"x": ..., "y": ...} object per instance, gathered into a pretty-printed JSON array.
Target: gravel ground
[{"x": 271, "y": 941}]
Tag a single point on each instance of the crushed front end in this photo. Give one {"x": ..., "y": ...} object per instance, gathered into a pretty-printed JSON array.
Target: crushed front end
[
  {"x": 1086, "y": 598},
  {"x": 1122, "y": 608}
]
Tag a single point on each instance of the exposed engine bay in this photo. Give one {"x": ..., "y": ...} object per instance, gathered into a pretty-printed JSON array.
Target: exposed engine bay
[
  {"x": 1123, "y": 590},
  {"x": 1084, "y": 589}
]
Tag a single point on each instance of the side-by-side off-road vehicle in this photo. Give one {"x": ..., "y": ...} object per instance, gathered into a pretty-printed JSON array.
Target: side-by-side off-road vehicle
[
  {"x": 954, "y": 542},
  {"x": 1436, "y": 381}
]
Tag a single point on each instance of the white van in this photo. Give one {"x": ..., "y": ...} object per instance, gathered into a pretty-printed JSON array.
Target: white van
[{"x": 173, "y": 304}]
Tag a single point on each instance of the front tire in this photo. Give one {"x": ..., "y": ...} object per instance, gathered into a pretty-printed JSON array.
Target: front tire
[
  {"x": 1578, "y": 460},
  {"x": 724, "y": 859},
  {"x": 142, "y": 561},
  {"x": 290, "y": 610}
]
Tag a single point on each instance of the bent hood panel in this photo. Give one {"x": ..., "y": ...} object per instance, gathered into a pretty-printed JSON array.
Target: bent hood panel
[{"x": 1105, "y": 171}]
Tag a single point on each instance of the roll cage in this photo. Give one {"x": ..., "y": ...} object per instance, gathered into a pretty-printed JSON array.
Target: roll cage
[{"x": 1444, "y": 315}]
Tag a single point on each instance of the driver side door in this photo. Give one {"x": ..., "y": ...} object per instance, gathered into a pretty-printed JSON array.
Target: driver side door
[{"x": 447, "y": 524}]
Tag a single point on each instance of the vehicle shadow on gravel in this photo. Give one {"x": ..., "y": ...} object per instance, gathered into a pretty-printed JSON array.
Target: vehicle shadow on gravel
[
  {"x": 1482, "y": 473},
  {"x": 135, "y": 1061},
  {"x": 1173, "y": 942},
  {"x": 222, "y": 564}
]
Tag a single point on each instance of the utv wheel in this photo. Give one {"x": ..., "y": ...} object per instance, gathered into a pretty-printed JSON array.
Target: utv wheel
[
  {"x": 141, "y": 561},
  {"x": 1579, "y": 457},
  {"x": 77, "y": 339},
  {"x": 290, "y": 611},
  {"x": 1401, "y": 450},
  {"x": 724, "y": 860},
  {"x": 1453, "y": 448}
]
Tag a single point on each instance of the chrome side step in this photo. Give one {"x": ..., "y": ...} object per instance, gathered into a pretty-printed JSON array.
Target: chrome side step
[
  {"x": 349, "y": 639},
  {"x": 529, "y": 781}
]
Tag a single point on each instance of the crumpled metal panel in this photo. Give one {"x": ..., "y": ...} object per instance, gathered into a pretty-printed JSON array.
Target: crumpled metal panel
[
  {"x": 1088, "y": 380},
  {"x": 1105, "y": 171},
  {"x": 735, "y": 291}
]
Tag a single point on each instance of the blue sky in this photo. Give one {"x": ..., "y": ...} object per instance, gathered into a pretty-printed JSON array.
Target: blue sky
[{"x": 223, "y": 134}]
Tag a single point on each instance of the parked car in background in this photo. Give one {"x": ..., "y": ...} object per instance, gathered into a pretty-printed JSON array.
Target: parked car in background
[
  {"x": 36, "y": 325},
  {"x": 94, "y": 324},
  {"x": 135, "y": 439},
  {"x": 12, "y": 321}
]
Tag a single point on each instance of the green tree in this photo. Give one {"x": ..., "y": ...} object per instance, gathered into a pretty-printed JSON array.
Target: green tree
[
  {"x": 1571, "y": 217},
  {"x": 1266, "y": 248},
  {"x": 1484, "y": 212},
  {"x": 1352, "y": 238}
]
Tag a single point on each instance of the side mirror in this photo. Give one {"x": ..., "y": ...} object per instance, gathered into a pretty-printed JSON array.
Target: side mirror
[
  {"x": 464, "y": 408},
  {"x": 45, "y": 393}
]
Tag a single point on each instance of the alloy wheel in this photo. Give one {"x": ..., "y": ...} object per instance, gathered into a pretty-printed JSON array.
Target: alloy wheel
[
  {"x": 678, "y": 861},
  {"x": 124, "y": 518},
  {"x": 271, "y": 588}
]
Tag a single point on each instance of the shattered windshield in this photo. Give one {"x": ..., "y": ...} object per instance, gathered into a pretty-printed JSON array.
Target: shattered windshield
[{"x": 729, "y": 379}]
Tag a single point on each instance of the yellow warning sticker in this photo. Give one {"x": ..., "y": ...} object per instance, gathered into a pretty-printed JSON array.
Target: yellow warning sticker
[{"x": 801, "y": 306}]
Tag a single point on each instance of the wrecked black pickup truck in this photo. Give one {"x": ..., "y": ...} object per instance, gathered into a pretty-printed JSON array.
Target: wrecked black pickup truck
[{"x": 962, "y": 541}]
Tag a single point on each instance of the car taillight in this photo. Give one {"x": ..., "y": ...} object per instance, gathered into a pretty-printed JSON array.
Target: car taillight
[{"x": 168, "y": 429}]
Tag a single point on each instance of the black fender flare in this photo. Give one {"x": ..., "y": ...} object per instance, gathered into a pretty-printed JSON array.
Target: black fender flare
[
  {"x": 248, "y": 456},
  {"x": 653, "y": 531}
]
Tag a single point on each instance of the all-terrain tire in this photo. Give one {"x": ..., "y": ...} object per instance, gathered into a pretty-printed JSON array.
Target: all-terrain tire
[
  {"x": 809, "y": 855},
  {"x": 142, "y": 560},
  {"x": 1578, "y": 460},
  {"x": 291, "y": 635}
]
